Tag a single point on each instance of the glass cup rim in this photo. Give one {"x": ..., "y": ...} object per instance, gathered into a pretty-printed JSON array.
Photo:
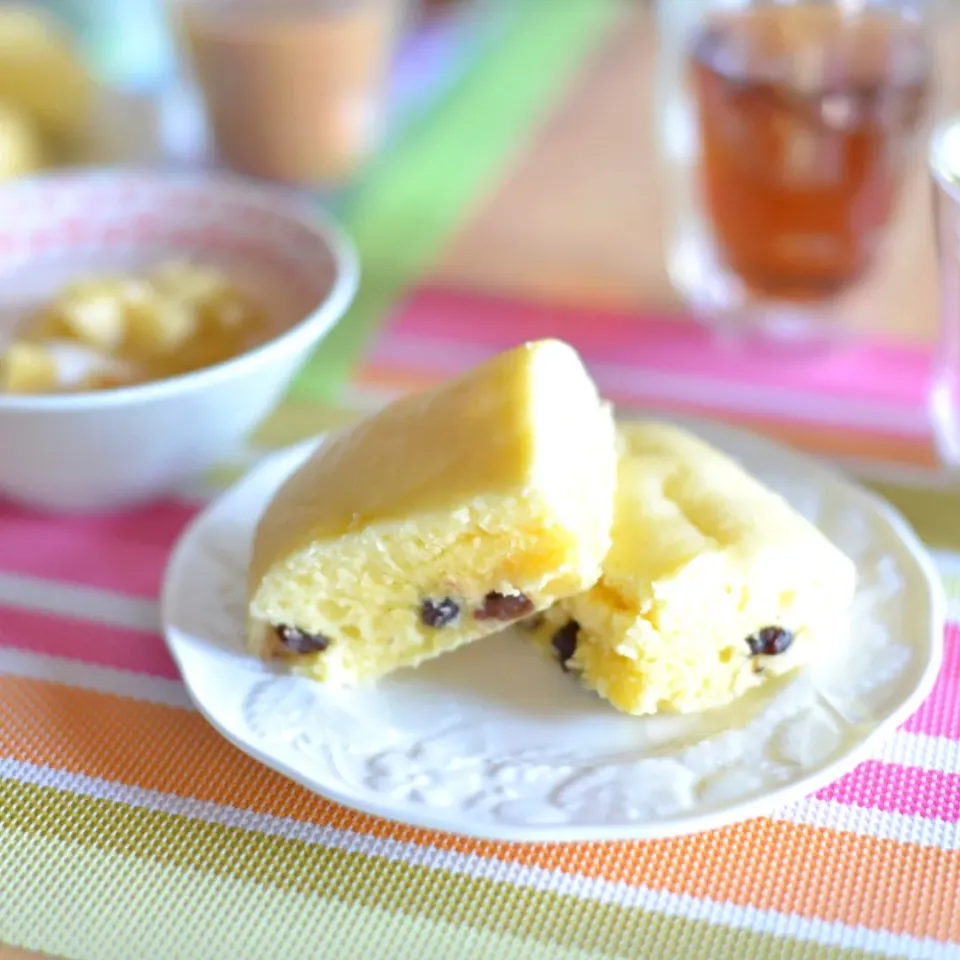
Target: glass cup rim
[{"x": 946, "y": 175}]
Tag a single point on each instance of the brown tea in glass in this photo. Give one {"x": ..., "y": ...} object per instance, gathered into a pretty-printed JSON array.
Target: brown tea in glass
[{"x": 806, "y": 116}]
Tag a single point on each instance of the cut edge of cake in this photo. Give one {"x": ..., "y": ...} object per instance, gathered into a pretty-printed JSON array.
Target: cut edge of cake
[{"x": 449, "y": 570}]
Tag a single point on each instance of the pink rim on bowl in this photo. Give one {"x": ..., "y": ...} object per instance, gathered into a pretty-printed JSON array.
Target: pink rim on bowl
[{"x": 50, "y": 216}]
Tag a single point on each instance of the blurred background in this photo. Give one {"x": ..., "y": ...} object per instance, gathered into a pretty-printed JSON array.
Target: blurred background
[
  {"x": 142, "y": 59},
  {"x": 514, "y": 168},
  {"x": 743, "y": 210}
]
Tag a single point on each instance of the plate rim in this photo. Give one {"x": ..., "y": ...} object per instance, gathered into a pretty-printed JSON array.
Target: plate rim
[{"x": 763, "y": 804}]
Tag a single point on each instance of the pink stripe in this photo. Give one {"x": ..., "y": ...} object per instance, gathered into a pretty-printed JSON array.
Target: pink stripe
[
  {"x": 105, "y": 646},
  {"x": 126, "y": 552},
  {"x": 940, "y": 714},
  {"x": 911, "y": 790},
  {"x": 876, "y": 370},
  {"x": 895, "y": 789}
]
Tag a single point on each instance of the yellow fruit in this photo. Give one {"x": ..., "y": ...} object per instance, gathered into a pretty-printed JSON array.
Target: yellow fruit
[
  {"x": 21, "y": 147},
  {"x": 28, "y": 368},
  {"x": 92, "y": 313},
  {"x": 158, "y": 326},
  {"x": 42, "y": 75}
]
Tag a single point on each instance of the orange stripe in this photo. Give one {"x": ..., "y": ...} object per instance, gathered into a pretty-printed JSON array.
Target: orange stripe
[{"x": 769, "y": 865}]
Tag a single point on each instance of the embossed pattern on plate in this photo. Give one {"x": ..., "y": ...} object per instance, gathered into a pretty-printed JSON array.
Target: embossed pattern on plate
[{"x": 493, "y": 741}]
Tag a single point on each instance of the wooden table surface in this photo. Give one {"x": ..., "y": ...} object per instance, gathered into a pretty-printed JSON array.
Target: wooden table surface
[{"x": 581, "y": 215}]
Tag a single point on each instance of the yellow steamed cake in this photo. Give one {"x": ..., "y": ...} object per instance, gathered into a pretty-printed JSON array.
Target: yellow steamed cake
[
  {"x": 712, "y": 585},
  {"x": 438, "y": 520}
]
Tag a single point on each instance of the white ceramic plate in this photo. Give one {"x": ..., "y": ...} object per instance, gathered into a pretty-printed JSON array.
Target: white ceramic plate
[{"x": 494, "y": 741}]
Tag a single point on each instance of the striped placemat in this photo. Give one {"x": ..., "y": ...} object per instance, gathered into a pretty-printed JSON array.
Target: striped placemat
[{"x": 129, "y": 828}]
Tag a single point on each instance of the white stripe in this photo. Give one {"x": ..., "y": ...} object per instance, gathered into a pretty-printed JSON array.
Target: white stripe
[
  {"x": 866, "y": 822},
  {"x": 89, "y": 676},
  {"x": 82, "y": 603},
  {"x": 953, "y": 607},
  {"x": 657, "y": 385},
  {"x": 471, "y": 865},
  {"x": 919, "y": 750},
  {"x": 947, "y": 561}
]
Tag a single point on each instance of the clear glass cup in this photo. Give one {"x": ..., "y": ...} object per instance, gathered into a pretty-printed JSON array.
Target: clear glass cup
[
  {"x": 945, "y": 385},
  {"x": 293, "y": 90},
  {"x": 786, "y": 129}
]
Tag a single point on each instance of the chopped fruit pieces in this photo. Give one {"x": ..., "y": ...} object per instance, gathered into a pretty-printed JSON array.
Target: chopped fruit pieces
[{"x": 178, "y": 318}]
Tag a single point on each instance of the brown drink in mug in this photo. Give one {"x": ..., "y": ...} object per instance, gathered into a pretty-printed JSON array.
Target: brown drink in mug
[{"x": 293, "y": 89}]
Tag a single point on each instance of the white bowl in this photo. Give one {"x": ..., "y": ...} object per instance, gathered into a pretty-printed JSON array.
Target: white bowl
[{"x": 108, "y": 449}]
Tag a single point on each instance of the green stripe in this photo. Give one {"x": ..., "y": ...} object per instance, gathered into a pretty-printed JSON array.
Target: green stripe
[
  {"x": 417, "y": 195},
  {"x": 935, "y": 514},
  {"x": 107, "y": 905},
  {"x": 320, "y": 883}
]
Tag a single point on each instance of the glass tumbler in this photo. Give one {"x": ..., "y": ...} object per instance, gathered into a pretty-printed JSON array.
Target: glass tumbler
[
  {"x": 945, "y": 389},
  {"x": 786, "y": 127},
  {"x": 293, "y": 90}
]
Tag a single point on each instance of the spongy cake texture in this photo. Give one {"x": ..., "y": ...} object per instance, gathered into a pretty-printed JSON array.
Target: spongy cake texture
[
  {"x": 713, "y": 583},
  {"x": 438, "y": 520}
]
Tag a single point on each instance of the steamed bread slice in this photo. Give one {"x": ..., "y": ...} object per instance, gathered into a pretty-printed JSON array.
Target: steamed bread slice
[
  {"x": 713, "y": 583},
  {"x": 438, "y": 520}
]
